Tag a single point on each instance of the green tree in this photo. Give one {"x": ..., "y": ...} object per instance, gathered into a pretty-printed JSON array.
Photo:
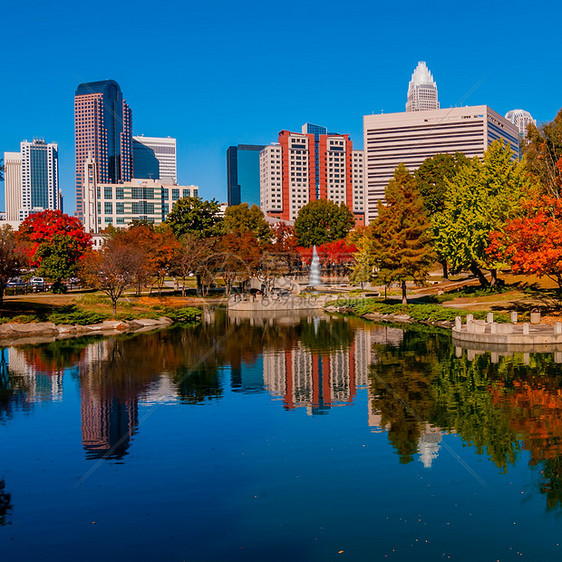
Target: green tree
[
  {"x": 543, "y": 154},
  {"x": 432, "y": 177},
  {"x": 242, "y": 218},
  {"x": 401, "y": 247},
  {"x": 59, "y": 259},
  {"x": 195, "y": 216},
  {"x": 323, "y": 221},
  {"x": 362, "y": 269},
  {"x": 481, "y": 198},
  {"x": 11, "y": 258}
]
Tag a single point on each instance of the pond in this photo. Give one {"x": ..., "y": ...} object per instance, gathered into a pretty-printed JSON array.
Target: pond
[{"x": 303, "y": 438}]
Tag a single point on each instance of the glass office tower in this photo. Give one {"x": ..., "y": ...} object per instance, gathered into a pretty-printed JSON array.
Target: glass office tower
[{"x": 243, "y": 174}]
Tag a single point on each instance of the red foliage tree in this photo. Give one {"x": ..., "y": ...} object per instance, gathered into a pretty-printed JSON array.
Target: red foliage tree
[
  {"x": 533, "y": 242},
  {"x": 41, "y": 228}
]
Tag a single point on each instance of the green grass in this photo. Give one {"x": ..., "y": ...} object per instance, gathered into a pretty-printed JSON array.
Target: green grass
[{"x": 424, "y": 312}]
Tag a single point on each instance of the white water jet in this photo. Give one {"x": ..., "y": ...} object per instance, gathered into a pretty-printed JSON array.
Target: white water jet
[{"x": 315, "y": 269}]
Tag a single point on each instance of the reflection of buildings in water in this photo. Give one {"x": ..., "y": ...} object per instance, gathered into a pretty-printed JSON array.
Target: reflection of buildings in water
[
  {"x": 108, "y": 422},
  {"x": 107, "y": 425},
  {"x": 313, "y": 379},
  {"x": 249, "y": 378},
  {"x": 429, "y": 444},
  {"x": 320, "y": 380},
  {"x": 41, "y": 386},
  {"x": 161, "y": 391}
]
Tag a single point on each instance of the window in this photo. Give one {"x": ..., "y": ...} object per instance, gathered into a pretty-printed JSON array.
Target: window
[
  {"x": 120, "y": 220},
  {"x": 175, "y": 194},
  {"x": 108, "y": 208},
  {"x": 186, "y": 193},
  {"x": 120, "y": 208},
  {"x": 108, "y": 192}
]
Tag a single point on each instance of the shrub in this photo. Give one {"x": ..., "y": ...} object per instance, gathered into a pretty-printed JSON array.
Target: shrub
[
  {"x": 185, "y": 315},
  {"x": 78, "y": 316}
]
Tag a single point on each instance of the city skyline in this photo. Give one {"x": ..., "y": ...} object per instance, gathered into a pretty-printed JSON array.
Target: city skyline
[{"x": 371, "y": 79}]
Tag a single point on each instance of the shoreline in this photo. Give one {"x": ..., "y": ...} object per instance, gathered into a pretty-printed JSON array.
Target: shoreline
[{"x": 35, "y": 333}]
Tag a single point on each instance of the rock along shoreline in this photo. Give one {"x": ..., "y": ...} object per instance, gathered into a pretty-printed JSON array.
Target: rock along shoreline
[{"x": 46, "y": 332}]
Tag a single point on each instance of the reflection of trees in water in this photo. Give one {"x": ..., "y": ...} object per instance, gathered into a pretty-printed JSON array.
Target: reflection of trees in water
[
  {"x": 326, "y": 335},
  {"x": 499, "y": 408},
  {"x": 6, "y": 506}
]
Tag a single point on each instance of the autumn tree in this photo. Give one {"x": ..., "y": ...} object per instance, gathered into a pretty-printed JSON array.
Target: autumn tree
[
  {"x": 482, "y": 197},
  {"x": 322, "y": 221},
  {"x": 11, "y": 258},
  {"x": 114, "y": 268},
  {"x": 543, "y": 153},
  {"x": 362, "y": 268},
  {"x": 235, "y": 257},
  {"x": 532, "y": 243},
  {"x": 190, "y": 254},
  {"x": 284, "y": 245},
  {"x": 54, "y": 242},
  {"x": 195, "y": 216},
  {"x": 401, "y": 242},
  {"x": 242, "y": 218}
]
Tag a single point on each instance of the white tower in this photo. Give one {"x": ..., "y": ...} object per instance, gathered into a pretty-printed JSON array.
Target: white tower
[
  {"x": 521, "y": 119},
  {"x": 422, "y": 90}
]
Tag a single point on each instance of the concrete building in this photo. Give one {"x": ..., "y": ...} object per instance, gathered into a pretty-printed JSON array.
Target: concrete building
[
  {"x": 119, "y": 204},
  {"x": 304, "y": 167},
  {"x": 155, "y": 158},
  {"x": 521, "y": 119},
  {"x": 12, "y": 184},
  {"x": 243, "y": 174},
  {"x": 32, "y": 179},
  {"x": 411, "y": 137},
  {"x": 422, "y": 90},
  {"x": 103, "y": 129}
]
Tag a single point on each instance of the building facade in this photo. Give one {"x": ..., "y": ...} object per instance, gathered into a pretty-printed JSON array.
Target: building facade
[
  {"x": 119, "y": 204},
  {"x": 521, "y": 119},
  {"x": 422, "y": 90},
  {"x": 243, "y": 174},
  {"x": 411, "y": 137},
  {"x": 32, "y": 179},
  {"x": 155, "y": 158},
  {"x": 103, "y": 129},
  {"x": 304, "y": 167},
  {"x": 12, "y": 184}
]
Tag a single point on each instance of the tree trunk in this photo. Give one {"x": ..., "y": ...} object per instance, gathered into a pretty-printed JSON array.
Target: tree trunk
[
  {"x": 494, "y": 277},
  {"x": 445, "y": 269},
  {"x": 404, "y": 297},
  {"x": 475, "y": 270},
  {"x": 114, "y": 307}
]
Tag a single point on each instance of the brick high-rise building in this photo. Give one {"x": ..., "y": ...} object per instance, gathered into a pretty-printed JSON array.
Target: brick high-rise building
[
  {"x": 103, "y": 128},
  {"x": 304, "y": 167}
]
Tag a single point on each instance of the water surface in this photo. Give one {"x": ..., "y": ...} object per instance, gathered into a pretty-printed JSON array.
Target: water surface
[{"x": 290, "y": 438}]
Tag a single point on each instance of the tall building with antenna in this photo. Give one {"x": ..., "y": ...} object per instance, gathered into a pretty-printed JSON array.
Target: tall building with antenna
[{"x": 422, "y": 90}]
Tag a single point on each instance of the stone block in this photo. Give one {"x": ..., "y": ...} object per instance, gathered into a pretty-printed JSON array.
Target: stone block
[
  {"x": 557, "y": 328},
  {"x": 490, "y": 317},
  {"x": 535, "y": 317},
  {"x": 526, "y": 329},
  {"x": 513, "y": 316}
]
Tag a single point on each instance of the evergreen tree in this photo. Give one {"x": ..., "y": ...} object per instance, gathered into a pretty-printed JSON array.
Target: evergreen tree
[{"x": 401, "y": 233}]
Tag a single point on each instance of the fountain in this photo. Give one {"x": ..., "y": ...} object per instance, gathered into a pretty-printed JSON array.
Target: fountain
[{"x": 315, "y": 269}]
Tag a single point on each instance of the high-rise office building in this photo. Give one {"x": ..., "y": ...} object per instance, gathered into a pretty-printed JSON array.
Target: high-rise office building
[
  {"x": 304, "y": 167},
  {"x": 422, "y": 90},
  {"x": 103, "y": 128},
  {"x": 155, "y": 158},
  {"x": 32, "y": 179},
  {"x": 521, "y": 119},
  {"x": 243, "y": 174},
  {"x": 12, "y": 184},
  {"x": 411, "y": 137}
]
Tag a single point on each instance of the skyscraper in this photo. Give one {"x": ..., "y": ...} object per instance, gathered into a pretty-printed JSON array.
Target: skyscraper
[
  {"x": 521, "y": 119},
  {"x": 32, "y": 179},
  {"x": 243, "y": 174},
  {"x": 155, "y": 158},
  {"x": 103, "y": 128},
  {"x": 422, "y": 90}
]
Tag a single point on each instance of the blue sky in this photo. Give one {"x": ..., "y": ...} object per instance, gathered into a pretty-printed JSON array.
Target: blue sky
[{"x": 214, "y": 74}]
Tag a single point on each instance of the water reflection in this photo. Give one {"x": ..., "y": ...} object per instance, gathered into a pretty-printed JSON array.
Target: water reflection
[
  {"x": 419, "y": 386},
  {"x": 5, "y": 504}
]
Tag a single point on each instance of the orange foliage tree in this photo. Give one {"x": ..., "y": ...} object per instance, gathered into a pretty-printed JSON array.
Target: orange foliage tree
[{"x": 532, "y": 243}]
